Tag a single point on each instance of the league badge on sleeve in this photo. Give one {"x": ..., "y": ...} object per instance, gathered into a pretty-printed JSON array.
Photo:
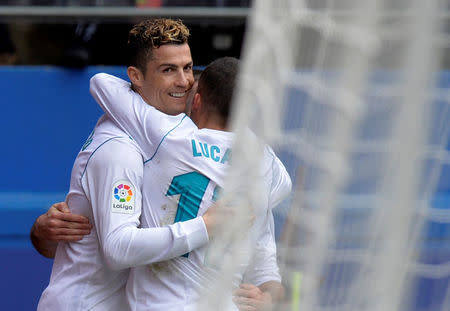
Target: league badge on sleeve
[{"x": 123, "y": 195}]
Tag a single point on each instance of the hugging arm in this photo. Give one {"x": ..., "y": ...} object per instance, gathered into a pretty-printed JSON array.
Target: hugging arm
[{"x": 58, "y": 224}]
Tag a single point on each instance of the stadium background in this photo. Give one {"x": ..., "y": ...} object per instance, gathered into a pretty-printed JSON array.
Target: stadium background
[{"x": 48, "y": 113}]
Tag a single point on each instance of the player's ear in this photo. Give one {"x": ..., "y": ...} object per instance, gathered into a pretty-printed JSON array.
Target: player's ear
[
  {"x": 136, "y": 76},
  {"x": 197, "y": 102}
]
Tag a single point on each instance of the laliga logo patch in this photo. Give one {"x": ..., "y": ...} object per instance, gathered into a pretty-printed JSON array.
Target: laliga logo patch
[
  {"x": 123, "y": 193},
  {"x": 123, "y": 197}
]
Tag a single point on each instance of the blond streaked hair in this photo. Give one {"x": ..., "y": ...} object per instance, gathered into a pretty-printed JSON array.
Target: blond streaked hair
[{"x": 151, "y": 34}]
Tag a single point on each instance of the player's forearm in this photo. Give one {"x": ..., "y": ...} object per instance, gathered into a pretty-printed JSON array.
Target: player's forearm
[
  {"x": 45, "y": 247},
  {"x": 131, "y": 246},
  {"x": 112, "y": 95},
  {"x": 102, "y": 95}
]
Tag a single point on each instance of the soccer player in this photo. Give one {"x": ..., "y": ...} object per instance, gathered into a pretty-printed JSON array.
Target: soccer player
[
  {"x": 186, "y": 160},
  {"x": 106, "y": 186}
]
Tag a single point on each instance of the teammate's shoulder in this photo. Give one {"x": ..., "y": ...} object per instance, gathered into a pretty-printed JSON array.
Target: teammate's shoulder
[
  {"x": 268, "y": 151},
  {"x": 181, "y": 118},
  {"x": 276, "y": 166},
  {"x": 106, "y": 127},
  {"x": 107, "y": 134},
  {"x": 180, "y": 123},
  {"x": 270, "y": 157},
  {"x": 117, "y": 150}
]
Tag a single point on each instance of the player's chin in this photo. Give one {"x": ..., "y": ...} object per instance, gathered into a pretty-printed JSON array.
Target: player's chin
[{"x": 176, "y": 106}]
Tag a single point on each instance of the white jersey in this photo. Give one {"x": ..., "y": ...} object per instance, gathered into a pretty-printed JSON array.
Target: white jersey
[
  {"x": 106, "y": 186},
  {"x": 184, "y": 170}
]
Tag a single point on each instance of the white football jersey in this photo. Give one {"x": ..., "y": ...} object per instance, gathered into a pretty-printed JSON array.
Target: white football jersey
[
  {"x": 183, "y": 173},
  {"x": 106, "y": 186}
]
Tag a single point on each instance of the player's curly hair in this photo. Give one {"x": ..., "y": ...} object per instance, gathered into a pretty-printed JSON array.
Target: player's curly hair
[{"x": 151, "y": 34}]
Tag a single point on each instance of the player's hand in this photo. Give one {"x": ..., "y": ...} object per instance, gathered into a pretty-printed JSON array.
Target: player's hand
[
  {"x": 251, "y": 298},
  {"x": 59, "y": 224},
  {"x": 215, "y": 216},
  {"x": 218, "y": 216}
]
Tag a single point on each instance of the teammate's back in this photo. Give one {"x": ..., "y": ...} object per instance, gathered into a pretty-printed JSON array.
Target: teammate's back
[{"x": 182, "y": 180}]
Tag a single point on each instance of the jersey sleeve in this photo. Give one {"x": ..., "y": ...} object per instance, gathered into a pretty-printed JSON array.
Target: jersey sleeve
[
  {"x": 112, "y": 182},
  {"x": 145, "y": 124},
  {"x": 280, "y": 181},
  {"x": 263, "y": 265}
]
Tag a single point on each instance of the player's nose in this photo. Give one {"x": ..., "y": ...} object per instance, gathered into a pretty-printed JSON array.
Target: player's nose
[{"x": 184, "y": 80}]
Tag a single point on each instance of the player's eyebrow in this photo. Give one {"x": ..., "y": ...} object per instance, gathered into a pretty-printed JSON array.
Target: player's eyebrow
[
  {"x": 167, "y": 65},
  {"x": 174, "y": 65}
]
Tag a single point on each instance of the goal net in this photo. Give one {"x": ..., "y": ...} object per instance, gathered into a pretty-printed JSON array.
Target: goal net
[{"x": 353, "y": 96}]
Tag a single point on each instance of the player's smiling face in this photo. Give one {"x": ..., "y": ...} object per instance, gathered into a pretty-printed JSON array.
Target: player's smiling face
[{"x": 168, "y": 78}]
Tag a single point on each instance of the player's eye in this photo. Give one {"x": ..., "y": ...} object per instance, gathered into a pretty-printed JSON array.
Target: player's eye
[{"x": 169, "y": 69}]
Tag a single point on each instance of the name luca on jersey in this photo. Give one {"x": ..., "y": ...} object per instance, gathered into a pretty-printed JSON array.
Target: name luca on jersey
[{"x": 213, "y": 152}]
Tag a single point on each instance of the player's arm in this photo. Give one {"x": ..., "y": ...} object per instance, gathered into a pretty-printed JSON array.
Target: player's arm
[
  {"x": 56, "y": 225},
  {"x": 131, "y": 113},
  {"x": 263, "y": 269},
  {"x": 268, "y": 289},
  {"x": 122, "y": 242},
  {"x": 261, "y": 285},
  {"x": 265, "y": 293}
]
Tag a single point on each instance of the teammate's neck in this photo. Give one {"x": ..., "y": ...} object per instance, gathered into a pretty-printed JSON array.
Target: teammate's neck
[{"x": 211, "y": 122}]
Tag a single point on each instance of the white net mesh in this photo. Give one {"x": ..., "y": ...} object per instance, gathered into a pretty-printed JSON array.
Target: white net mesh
[{"x": 353, "y": 96}]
